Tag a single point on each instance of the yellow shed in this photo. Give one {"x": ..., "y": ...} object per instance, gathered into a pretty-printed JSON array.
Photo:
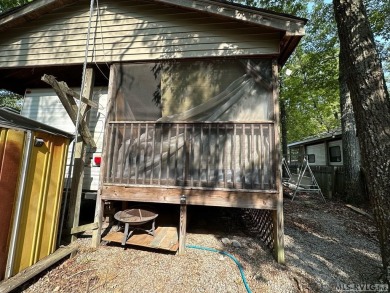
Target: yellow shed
[{"x": 32, "y": 168}]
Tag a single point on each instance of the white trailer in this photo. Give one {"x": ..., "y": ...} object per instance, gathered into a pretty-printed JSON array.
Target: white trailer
[
  {"x": 44, "y": 106},
  {"x": 323, "y": 150}
]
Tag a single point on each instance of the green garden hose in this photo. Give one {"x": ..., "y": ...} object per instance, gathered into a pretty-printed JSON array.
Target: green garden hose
[{"x": 229, "y": 255}]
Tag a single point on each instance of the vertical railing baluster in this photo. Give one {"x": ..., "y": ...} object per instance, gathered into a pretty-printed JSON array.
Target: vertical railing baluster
[
  {"x": 192, "y": 154},
  {"x": 138, "y": 152},
  {"x": 251, "y": 156},
  {"x": 234, "y": 156},
  {"x": 262, "y": 156},
  {"x": 259, "y": 152},
  {"x": 208, "y": 154},
  {"x": 161, "y": 152},
  {"x": 168, "y": 155},
  {"x": 185, "y": 158},
  {"x": 200, "y": 155},
  {"x": 224, "y": 156},
  {"x": 145, "y": 152},
  {"x": 216, "y": 158},
  {"x": 129, "y": 155},
  {"x": 109, "y": 152},
  {"x": 123, "y": 163},
  {"x": 176, "y": 153},
  {"x": 116, "y": 151},
  {"x": 153, "y": 153},
  {"x": 242, "y": 150},
  {"x": 271, "y": 162}
]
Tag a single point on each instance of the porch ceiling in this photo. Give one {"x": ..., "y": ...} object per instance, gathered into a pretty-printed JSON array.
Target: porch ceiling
[{"x": 17, "y": 80}]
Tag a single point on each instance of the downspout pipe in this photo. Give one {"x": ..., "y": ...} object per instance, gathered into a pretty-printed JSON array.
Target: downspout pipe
[{"x": 28, "y": 145}]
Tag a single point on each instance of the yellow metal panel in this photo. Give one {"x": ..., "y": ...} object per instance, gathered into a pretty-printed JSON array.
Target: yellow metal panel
[
  {"x": 42, "y": 200},
  {"x": 11, "y": 152}
]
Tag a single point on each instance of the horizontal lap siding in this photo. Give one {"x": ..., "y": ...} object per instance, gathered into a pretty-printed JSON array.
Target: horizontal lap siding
[
  {"x": 131, "y": 31},
  {"x": 38, "y": 100}
]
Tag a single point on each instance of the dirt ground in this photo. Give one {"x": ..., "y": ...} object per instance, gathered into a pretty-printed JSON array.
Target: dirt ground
[{"x": 328, "y": 248}]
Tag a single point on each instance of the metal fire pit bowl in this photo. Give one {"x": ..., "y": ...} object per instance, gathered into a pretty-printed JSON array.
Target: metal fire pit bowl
[{"x": 135, "y": 217}]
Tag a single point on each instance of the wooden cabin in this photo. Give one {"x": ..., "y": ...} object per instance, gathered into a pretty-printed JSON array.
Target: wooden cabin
[{"x": 192, "y": 116}]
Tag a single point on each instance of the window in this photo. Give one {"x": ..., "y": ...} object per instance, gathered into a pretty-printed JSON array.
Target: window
[
  {"x": 335, "y": 154},
  {"x": 311, "y": 158}
]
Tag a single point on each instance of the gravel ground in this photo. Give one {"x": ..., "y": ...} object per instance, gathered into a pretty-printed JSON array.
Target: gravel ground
[{"x": 326, "y": 244}]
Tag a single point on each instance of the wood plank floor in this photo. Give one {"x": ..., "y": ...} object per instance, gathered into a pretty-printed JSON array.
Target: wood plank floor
[{"x": 166, "y": 238}]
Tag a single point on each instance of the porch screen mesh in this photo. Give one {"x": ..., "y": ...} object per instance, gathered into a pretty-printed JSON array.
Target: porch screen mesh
[
  {"x": 228, "y": 90},
  {"x": 193, "y": 91}
]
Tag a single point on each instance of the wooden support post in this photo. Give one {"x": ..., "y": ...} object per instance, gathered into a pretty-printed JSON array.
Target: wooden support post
[
  {"x": 278, "y": 226},
  {"x": 79, "y": 160},
  {"x": 183, "y": 227},
  {"x": 97, "y": 233},
  {"x": 277, "y": 215},
  {"x": 183, "y": 204}
]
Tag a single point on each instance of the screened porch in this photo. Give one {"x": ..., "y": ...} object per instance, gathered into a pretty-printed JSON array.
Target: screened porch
[{"x": 187, "y": 154}]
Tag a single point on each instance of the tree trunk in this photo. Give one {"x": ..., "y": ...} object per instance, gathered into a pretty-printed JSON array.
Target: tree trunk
[
  {"x": 371, "y": 105},
  {"x": 354, "y": 186}
]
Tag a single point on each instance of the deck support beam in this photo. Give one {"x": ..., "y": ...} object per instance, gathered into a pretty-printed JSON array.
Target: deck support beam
[
  {"x": 206, "y": 197},
  {"x": 183, "y": 226},
  {"x": 278, "y": 227}
]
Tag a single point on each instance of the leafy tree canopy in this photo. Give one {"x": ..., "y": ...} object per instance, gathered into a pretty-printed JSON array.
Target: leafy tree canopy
[
  {"x": 311, "y": 91},
  {"x": 7, "y": 4}
]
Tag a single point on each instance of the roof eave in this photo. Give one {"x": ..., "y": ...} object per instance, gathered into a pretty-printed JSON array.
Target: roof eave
[
  {"x": 293, "y": 26},
  {"x": 30, "y": 12},
  {"x": 319, "y": 139}
]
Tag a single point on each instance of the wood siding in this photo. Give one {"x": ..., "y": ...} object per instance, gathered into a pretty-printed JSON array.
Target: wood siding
[{"x": 130, "y": 31}]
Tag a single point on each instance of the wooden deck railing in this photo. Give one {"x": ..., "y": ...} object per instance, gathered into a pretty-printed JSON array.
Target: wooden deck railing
[{"x": 205, "y": 154}]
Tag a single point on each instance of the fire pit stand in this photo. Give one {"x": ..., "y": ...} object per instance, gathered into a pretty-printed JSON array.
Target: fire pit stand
[{"x": 133, "y": 219}]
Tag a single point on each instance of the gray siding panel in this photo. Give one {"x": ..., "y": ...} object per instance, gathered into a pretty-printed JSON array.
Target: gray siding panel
[{"x": 131, "y": 30}]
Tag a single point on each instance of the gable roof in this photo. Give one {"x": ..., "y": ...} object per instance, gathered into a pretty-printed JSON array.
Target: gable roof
[
  {"x": 45, "y": 35},
  {"x": 290, "y": 27},
  {"x": 291, "y": 24}
]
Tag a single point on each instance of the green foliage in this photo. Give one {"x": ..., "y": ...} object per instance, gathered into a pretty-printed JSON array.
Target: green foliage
[
  {"x": 7, "y": 4},
  {"x": 378, "y": 12},
  {"x": 311, "y": 92},
  {"x": 12, "y": 100}
]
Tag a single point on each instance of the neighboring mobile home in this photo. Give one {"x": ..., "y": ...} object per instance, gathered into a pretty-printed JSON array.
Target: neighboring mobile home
[
  {"x": 192, "y": 113},
  {"x": 325, "y": 149},
  {"x": 324, "y": 153}
]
